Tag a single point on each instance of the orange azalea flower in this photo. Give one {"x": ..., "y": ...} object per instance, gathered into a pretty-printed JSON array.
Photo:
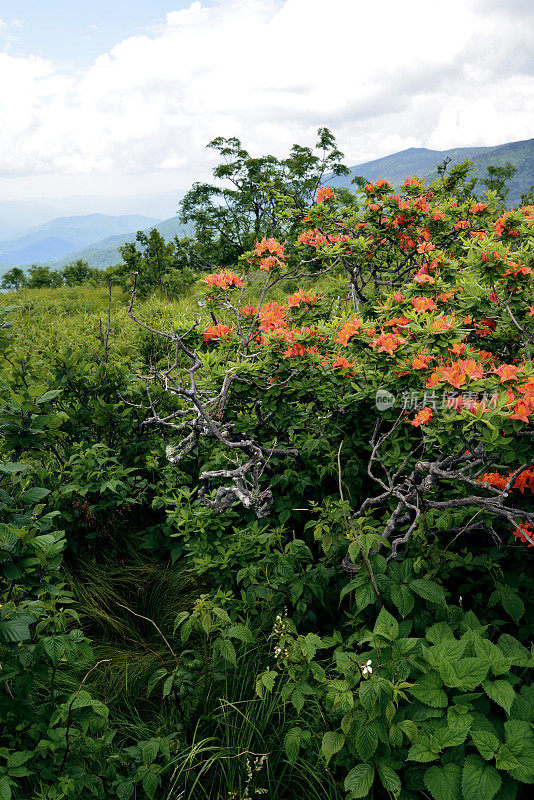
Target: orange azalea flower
[
  {"x": 411, "y": 182},
  {"x": 485, "y": 355},
  {"x": 443, "y": 323},
  {"x": 398, "y": 297},
  {"x": 506, "y": 372},
  {"x": 325, "y": 193},
  {"x": 458, "y": 349},
  {"x": 247, "y": 311},
  {"x": 523, "y": 409},
  {"x": 525, "y": 533},
  {"x": 387, "y": 342},
  {"x": 531, "y": 311},
  {"x": 478, "y": 207},
  {"x": 269, "y": 246},
  {"x": 423, "y": 304},
  {"x": 223, "y": 279},
  {"x": 445, "y": 296},
  {"x": 340, "y": 362},
  {"x": 219, "y": 331},
  {"x": 422, "y": 361},
  {"x": 426, "y": 247},
  {"x": 422, "y": 417},
  {"x": 518, "y": 269},
  {"x": 349, "y": 330},
  {"x": 422, "y": 277},
  {"x": 272, "y": 316},
  {"x": 295, "y": 300},
  {"x": 397, "y": 321}
]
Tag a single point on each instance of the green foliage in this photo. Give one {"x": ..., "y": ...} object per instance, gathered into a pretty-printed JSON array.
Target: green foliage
[{"x": 203, "y": 592}]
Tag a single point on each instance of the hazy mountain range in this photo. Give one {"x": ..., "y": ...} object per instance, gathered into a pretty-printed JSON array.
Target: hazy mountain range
[{"x": 97, "y": 237}]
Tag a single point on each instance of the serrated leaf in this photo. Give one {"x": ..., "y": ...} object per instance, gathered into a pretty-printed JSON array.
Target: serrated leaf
[
  {"x": 501, "y": 692},
  {"x": 429, "y": 691},
  {"x": 390, "y": 780},
  {"x": 486, "y": 743},
  {"x": 513, "y": 605},
  {"x": 480, "y": 781},
  {"x": 386, "y": 625},
  {"x": 227, "y": 650},
  {"x": 5, "y": 788},
  {"x": 366, "y": 741},
  {"x": 151, "y": 781},
  {"x": 150, "y": 752},
  {"x": 444, "y": 783},
  {"x": 428, "y": 590},
  {"x": 359, "y": 780},
  {"x": 292, "y": 742},
  {"x": 440, "y": 632},
  {"x": 240, "y": 632},
  {"x": 466, "y": 673},
  {"x": 420, "y": 750},
  {"x": 402, "y": 597},
  {"x": 333, "y": 742}
]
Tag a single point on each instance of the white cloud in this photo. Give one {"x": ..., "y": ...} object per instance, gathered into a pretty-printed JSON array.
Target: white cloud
[{"x": 384, "y": 76}]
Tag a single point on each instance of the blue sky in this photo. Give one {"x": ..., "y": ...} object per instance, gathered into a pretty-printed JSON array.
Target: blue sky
[{"x": 77, "y": 31}]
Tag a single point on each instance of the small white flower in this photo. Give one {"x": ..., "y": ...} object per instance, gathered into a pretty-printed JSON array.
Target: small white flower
[
  {"x": 277, "y": 651},
  {"x": 367, "y": 668}
]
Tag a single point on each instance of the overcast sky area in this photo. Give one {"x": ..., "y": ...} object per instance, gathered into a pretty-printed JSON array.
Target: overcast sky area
[{"x": 121, "y": 98}]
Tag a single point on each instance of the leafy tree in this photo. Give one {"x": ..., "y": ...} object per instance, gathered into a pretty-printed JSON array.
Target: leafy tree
[
  {"x": 497, "y": 179},
  {"x": 14, "y": 279},
  {"x": 77, "y": 272},
  {"x": 245, "y": 206},
  {"x": 43, "y": 277}
]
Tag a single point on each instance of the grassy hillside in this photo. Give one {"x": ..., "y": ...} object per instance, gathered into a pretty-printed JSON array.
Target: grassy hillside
[{"x": 423, "y": 162}]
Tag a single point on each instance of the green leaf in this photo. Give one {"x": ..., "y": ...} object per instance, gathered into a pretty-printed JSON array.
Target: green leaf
[
  {"x": 466, "y": 673},
  {"x": 420, "y": 750},
  {"x": 486, "y": 743},
  {"x": 5, "y": 788},
  {"x": 390, "y": 779},
  {"x": 429, "y": 691},
  {"x": 366, "y": 741},
  {"x": 359, "y": 780},
  {"x": 150, "y": 752},
  {"x": 513, "y": 605},
  {"x": 428, "y": 590},
  {"x": 444, "y": 783},
  {"x": 440, "y": 632},
  {"x": 480, "y": 781},
  {"x": 332, "y": 743},
  {"x": 402, "y": 597},
  {"x": 151, "y": 781},
  {"x": 34, "y": 495},
  {"x": 501, "y": 692},
  {"x": 292, "y": 742},
  {"x": 386, "y": 625},
  {"x": 240, "y": 632},
  {"x": 227, "y": 650}
]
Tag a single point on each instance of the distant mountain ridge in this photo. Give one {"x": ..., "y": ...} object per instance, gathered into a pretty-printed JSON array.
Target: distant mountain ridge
[
  {"x": 424, "y": 162},
  {"x": 59, "y": 237}
]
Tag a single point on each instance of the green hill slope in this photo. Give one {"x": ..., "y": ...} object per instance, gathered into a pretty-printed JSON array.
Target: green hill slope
[
  {"x": 423, "y": 162},
  {"x": 59, "y": 237}
]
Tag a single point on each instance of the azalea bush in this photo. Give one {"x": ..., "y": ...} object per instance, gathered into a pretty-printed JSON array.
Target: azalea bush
[{"x": 360, "y": 471}]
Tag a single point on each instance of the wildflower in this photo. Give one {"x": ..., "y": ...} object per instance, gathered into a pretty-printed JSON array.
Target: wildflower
[
  {"x": 387, "y": 342},
  {"x": 367, "y": 668},
  {"x": 325, "y": 193},
  {"x": 349, "y": 330},
  {"x": 423, "y": 304},
  {"x": 422, "y": 417},
  {"x": 219, "y": 331},
  {"x": 247, "y": 311},
  {"x": 223, "y": 279}
]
